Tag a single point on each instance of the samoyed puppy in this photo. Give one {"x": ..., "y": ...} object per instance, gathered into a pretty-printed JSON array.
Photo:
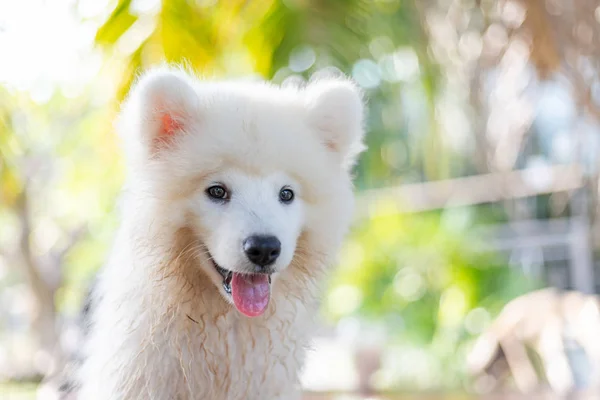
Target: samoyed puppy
[{"x": 237, "y": 200}]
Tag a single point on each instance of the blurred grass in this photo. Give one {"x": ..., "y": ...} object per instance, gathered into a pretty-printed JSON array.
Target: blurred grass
[{"x": 18, "y": 391}]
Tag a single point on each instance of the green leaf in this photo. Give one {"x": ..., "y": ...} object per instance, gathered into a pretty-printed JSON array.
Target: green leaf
[{"x": 117, "y": 24}]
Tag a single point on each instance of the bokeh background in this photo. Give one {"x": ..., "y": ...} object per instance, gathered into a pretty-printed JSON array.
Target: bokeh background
[{"x": 472, "y": 267}]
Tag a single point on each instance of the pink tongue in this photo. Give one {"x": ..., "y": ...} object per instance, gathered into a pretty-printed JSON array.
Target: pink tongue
[{"x": 250, "y": 293}]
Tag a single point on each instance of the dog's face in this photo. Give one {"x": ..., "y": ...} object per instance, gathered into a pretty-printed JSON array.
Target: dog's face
[
  {"x": 248, "y": 167},
  {"x": 251, "y": 222}
]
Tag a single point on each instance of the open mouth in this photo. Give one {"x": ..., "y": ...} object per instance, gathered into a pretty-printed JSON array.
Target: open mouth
[
  {"x": 227, "y": 276},
  {"x": 250, "y": 292}
]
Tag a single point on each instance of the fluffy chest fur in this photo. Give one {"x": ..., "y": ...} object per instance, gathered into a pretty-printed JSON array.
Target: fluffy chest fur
[
  {"x": 162, "y": 331},
  {"x": 241, "y": 358}
]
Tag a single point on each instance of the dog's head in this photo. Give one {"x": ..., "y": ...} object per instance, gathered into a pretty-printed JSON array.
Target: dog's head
[{"x": 249, "y": 167}]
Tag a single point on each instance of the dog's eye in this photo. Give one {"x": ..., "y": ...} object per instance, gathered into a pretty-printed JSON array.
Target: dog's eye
[
  {"x": 218, "y": 192},
  {"x": 286, "y": 195}
]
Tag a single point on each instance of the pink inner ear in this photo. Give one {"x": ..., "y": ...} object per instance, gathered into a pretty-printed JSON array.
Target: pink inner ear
[{"x": 169, "y": 125}]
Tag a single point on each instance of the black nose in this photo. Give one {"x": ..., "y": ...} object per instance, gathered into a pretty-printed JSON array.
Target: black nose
[{"x": 262, "y": 250}]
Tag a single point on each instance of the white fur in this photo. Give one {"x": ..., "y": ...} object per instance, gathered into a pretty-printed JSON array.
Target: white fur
[{"x": 164, "y": 328}]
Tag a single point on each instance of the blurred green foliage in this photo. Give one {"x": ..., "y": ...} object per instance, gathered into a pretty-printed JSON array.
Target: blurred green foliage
[
  {"x": 427, "y": 280},
  {"x": 62, "y": 157}
]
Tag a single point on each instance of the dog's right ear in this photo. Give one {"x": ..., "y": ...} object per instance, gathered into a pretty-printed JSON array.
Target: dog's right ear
[{"x": 161, "y": 106}]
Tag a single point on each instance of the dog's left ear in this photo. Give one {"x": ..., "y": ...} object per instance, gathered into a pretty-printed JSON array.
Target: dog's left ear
[{"x": 336, "y": 110}]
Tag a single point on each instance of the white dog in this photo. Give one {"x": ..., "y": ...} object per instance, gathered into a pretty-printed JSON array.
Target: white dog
[{"x": 238, "y": 198}]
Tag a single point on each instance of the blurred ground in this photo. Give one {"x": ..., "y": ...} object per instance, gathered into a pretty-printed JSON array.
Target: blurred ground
[{"x": 19, "y": 393}]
